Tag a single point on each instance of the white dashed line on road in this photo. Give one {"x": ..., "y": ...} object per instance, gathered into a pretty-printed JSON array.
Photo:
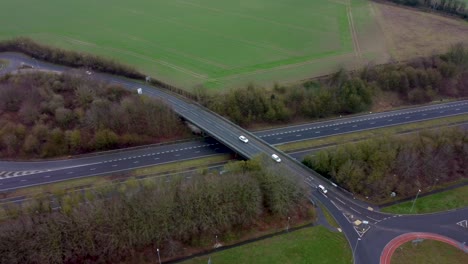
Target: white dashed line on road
[
  {"x": 354, "y": 210},
  {"x": 339, "y": 200}
]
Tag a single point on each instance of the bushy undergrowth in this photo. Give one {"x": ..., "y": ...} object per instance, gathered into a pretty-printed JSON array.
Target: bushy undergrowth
[
  {"x": 376, "y": 168},
  {"x": 47, "y": 115},
  {"x": 110, "y": 224}
]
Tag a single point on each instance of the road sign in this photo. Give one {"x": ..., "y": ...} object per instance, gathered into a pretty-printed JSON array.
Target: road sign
[{"x": 463, "y": 223}]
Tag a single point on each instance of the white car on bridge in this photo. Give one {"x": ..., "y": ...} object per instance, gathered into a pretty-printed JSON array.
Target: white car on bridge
[
  {"x": 276, "y": 158},
  {"x": 243, "y": 139}
]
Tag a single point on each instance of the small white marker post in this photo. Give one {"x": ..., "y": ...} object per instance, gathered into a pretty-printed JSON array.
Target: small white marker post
[{"x": 139, "y": 91}]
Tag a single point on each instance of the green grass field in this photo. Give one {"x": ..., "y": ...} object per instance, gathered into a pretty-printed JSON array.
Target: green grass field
[
  {"x": 315, "y": 245},
  {"x": 428, "y": 252},
  {"x": 217, "y": 43},
  {"x": 443, "y": 201}
]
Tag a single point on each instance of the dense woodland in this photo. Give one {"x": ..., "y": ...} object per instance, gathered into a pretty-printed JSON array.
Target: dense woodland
[
  {"x": 378, "y": 167},
  {"x": 418, "y": 81},
  {"x": 47, "y": 115},
  {"x": 452, "y": 7},
  {"x": 114, "y": 223}
]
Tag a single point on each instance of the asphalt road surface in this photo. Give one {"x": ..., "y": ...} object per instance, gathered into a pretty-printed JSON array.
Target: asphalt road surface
[{"x": 367, "y": 240}]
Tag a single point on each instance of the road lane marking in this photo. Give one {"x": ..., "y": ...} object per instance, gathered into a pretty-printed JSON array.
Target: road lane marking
[
  {"x": 339, "y": 200},
  {"x": 47, "y": 176},
  {"x": 354, "y": 210},
  {"x": 92, "y": 169}
]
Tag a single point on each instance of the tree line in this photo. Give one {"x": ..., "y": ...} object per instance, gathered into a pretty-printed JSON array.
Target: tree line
[
  {"x": 414, "y": 82},
  {"x": 110, "y": 224},
  {"x": 376, "y": 168},
  {"x": 47, "y": 115},
  {"x": 453, "y": 7},
  {"x": 68, "y": 58}
]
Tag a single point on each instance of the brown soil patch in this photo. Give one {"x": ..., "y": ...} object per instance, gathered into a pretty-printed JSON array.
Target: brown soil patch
[{"x": 411, "y": 33}]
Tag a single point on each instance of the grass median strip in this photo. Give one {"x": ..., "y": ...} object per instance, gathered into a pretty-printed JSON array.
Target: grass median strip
[
  {"x": 451, "y": 199},
  {"x": 378, "y": 132},
  {"x": 308, "y": 245},
  {"x": 184, "y": 165}
]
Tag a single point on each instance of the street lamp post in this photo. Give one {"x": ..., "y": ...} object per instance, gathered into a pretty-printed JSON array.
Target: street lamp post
[
  {"x": 433, "y": 185},
  {"x": 415, "y": 200},
  {"x": 159, "y": 257},
  {"x": 287, "y": 228},
  {"x": 355, "y": 247}
]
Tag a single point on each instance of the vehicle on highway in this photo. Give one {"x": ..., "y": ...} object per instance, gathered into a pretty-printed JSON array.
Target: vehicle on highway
[
  {"x": 88, "y": 72},
  {"x": 243, "y": 139},
  {"x": 276, "y": 158},
  {"x": 322, "y": 189}
]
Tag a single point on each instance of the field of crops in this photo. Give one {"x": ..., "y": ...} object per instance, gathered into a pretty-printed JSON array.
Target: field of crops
[{"x": 216, "y": 43}]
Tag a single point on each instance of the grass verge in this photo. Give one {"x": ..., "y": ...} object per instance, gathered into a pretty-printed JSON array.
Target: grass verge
[
  {"x": 442, "y": 201},
  {"x": 3, "y": 63},
  {"x": 356, "y": 136},
  {"x": 181, "y": 166},
  {"x": 309, "y": 245},
  {"x": 428, "y": 252},
  {"x": 328, "y": 216},
  {"x": 95, "y": 181}
]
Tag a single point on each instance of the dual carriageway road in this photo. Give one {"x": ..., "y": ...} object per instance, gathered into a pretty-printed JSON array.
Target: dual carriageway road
[{"x": 341, "y": 204}]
